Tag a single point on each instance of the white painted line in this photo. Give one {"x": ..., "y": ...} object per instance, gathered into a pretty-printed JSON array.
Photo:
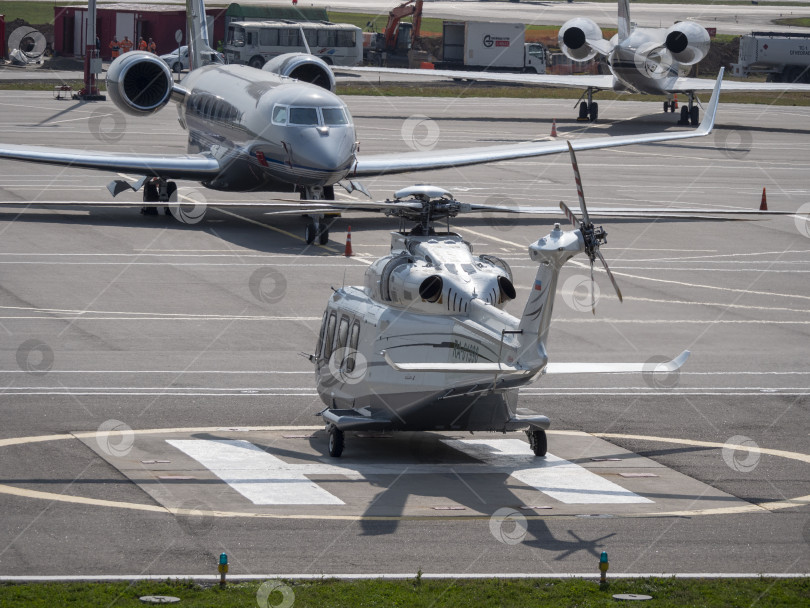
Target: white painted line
[
  {"x": 258, "y": 476},
  {"x": 558, "y": 478}
]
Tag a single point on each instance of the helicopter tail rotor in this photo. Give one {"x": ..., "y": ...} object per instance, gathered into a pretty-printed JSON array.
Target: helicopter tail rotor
[{"x": 593, "y": 236}]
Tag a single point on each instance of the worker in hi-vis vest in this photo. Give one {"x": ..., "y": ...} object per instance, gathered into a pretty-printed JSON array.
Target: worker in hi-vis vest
[
  {"x": 126, "y": 45},
  {"x": 115, "y": 47}
]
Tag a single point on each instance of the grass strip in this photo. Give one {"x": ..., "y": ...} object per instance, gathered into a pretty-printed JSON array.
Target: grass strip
[{"x": 418, "y": 592}]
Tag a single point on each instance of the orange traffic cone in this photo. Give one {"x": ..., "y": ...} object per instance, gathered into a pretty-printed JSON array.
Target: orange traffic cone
[
  {"x": 348, "y": 251},
  {"x": 676, "y": 101},
  {"x": 763, "y": 206},
  {"x": 554, "y": 127}
]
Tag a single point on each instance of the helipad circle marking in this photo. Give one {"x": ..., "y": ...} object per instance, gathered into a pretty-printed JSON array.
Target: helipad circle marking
[{"x": 24, "y": 493}]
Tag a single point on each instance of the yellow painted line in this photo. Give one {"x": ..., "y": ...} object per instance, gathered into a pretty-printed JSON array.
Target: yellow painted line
[{"x": 25, "y": 493}]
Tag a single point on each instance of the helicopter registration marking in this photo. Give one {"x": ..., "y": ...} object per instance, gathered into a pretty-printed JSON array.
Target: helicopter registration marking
[{"x": 465, "y": 352}]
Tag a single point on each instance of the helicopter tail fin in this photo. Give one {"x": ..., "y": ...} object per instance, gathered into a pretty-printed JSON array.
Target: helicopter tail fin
[{"x": 551, "y": 252}]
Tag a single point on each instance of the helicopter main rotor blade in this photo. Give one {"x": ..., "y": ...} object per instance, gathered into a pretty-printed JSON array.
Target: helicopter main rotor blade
[
  {"x": 610, "y": 274},
  {"x": 569, "y": 214},
  {"x": 578, "y": 179}
]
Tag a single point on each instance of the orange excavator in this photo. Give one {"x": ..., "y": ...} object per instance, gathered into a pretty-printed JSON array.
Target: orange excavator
[{"x": 398, "y": 37}]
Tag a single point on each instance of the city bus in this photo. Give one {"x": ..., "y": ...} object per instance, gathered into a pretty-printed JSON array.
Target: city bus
[{"x": 254, "y": 42}]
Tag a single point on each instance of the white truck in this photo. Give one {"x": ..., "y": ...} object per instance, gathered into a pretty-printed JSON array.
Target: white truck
[
  {"x": 474, "y": 45},
  {"x": 784, "y": 57}
]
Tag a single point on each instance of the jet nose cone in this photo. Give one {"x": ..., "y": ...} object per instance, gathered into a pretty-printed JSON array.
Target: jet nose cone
[{"x": 329, "y": 149}]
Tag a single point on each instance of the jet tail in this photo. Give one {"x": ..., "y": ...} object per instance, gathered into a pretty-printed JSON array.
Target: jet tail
[
  {"x": 624, "y": 19},
  {"x": 200, "y": 52}
]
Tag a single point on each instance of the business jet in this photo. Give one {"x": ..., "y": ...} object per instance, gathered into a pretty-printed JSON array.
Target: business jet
[
  {"x": 650, "y": 61},
  {"x": 276, "y": 129}
]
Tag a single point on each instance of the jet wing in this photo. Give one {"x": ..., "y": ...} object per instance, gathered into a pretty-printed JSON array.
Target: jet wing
[
  {"x": 549, "y": 80},
  {"x": 197, "y": 167},
  {"x": 384, "y": 164},
  {"x": 684, "y": 85}
]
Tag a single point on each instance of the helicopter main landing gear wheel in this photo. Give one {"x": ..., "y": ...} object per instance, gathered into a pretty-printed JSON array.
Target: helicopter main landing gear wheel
[
  {"x": 336, "y": 442},
  {"x": 537, "y": 441}
]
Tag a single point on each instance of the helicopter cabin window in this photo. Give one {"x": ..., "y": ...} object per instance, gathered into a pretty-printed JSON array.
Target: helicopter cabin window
[
  {"x": 303, "y": 116},
  {"x": 354, "y": 338},
  {"x": 330, "y": 334},
  {"x": 342, "y": 335},
  {"x": 280, "y": 115}
]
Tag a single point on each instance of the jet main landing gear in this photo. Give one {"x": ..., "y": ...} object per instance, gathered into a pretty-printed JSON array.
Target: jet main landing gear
[
  {"x": 158, "y": 191},
  {"x": 690, "y": 115},
  {"x": 588, "y": 110}
]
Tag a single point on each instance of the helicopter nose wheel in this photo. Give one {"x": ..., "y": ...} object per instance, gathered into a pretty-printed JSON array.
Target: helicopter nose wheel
[
  {"x": 336, "y": 442},
  {"x": 537, "y": 441}
]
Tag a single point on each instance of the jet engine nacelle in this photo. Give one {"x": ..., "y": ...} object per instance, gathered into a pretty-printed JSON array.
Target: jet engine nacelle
[
  {"x": 139, "y": 83},
  {"x": 304, "y": 67},
  {"x": 573, "y": 35},
  {"x": 688, "y": 42}
]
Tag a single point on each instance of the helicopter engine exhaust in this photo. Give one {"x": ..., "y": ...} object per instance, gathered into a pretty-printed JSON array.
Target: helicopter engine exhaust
[
  {"x": 507, "y": 289},
  {"x": 430, "y": 289}
]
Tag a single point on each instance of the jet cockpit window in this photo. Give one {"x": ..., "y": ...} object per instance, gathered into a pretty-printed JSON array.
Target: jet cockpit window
[
  {"x": 334, "y": 117},
  {"x": 280, "y": 115},
  {"x": 304, "y": 116}
]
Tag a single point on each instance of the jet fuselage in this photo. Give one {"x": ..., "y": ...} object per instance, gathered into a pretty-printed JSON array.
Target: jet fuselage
[{"x": 271, "y": 132}]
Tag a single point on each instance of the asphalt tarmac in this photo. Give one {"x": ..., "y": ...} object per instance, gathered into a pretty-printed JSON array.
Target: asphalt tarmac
[{"x": 133, "y": 344}]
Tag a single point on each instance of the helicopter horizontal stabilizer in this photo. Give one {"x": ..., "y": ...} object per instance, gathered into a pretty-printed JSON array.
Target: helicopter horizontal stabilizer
[
  {"x": 458, "y": 368},
  {"x": 618, "y": 368},
  {"x": 352, "y": 420}
]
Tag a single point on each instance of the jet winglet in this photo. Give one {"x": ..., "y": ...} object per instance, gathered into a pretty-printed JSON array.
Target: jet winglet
[{"x": 707, "y": 124}]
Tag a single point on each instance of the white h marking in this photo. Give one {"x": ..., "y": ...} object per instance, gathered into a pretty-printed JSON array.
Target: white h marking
[
  {"x": 553, "y": 476},
  {"x": 258, "y": 476}
]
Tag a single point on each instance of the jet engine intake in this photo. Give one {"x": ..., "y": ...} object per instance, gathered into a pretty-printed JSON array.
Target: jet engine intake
[
  {"x": 139, "y": 83},
  {"x": 304, "y": 67},
  {"x": 688, "y": 42},
  {"x": 573, "y": 37}
]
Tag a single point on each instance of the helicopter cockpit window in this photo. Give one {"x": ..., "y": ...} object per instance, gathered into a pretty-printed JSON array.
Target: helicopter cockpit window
[
  {"x": 334, "y": 117},
  {"x": 280, "y": 115},
  {"x": 319, "y": 345},
  {"x": 330, "y": 334},
  {"x": 304, "y": 116},
  {"x": 354, "y": 338}
]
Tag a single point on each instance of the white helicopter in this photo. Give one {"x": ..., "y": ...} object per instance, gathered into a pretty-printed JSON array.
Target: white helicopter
[{"x": 425, "y": 344}]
